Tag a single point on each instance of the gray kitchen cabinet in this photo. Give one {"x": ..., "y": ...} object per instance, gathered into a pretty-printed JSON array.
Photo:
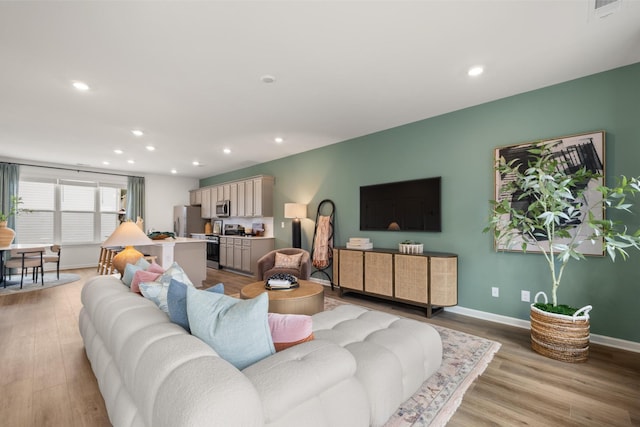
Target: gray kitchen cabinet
[
  {"x": 195, "y": 197},
  {"x": 249, "y": 198},
  {"x": 237, "y": 254},
  {"x": 242, "y": 253},
  {"x": 205, "y": 207},
  {"x": 223, "y": 251}
]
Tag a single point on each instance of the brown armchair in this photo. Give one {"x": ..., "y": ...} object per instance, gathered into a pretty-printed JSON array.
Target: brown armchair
[{"x": 267, "y": 268}]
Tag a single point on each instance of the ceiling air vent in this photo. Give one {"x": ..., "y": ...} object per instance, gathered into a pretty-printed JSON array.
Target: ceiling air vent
[{"x": 604, "y": 8}]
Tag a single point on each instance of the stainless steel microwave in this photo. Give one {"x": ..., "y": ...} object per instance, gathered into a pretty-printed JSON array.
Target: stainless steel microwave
[{"x": 223, "y": 209}]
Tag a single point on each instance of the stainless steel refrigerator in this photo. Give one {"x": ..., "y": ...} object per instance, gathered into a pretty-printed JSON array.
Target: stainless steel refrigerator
[{"x": 187, "y": 220}]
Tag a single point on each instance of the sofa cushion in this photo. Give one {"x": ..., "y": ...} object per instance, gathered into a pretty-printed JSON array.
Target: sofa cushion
[
  {"x": 142, "y": 276},
  {"x": 177, "y": 302},
  {"x": 143, "y": 263},
  {"x": 155, "y": 267},
  {"x": 156, "y": 292},
  {"x": 238, "y": 330},
  {"x": 129, "y": 272},
  {"x": 288, "y": 330},
  {"x": 175, "y": 272}
]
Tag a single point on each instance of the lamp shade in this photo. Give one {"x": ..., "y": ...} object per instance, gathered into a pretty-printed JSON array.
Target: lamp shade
[
  {"x": 127, "y": 234},
  {"x": 295, "y": 210}
]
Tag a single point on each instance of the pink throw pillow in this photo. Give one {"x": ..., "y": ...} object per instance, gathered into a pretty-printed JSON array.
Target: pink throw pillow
[
  {"x": 155, "y": 268},
  {"x": 288, "y": 330},
  {"x": 142, "y": 276}
]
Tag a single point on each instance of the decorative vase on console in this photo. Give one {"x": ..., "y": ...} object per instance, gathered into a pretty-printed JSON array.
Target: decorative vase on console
[{"x": 6, "y": 234}]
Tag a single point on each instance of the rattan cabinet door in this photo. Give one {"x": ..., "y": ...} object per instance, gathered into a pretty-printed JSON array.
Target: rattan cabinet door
[
  {"x": 412, "y": 278},
  {"x": 444, "y": 281},
  {"x": 378, "y": 273},
  {"x": 352, "y": 269}
]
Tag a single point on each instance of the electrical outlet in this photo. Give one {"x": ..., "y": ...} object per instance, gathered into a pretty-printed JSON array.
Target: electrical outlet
[
  {"x": 282, "y": 224},
  {"x": 495, "y": 292},
  {"x": 525, "y": 296}
]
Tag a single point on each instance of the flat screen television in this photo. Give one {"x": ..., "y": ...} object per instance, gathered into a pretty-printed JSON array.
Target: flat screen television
[{"x": 404, "y": 206}]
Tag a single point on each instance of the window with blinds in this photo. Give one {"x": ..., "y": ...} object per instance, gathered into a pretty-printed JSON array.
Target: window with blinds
[
  {"x": 36, "y": 225},
  {"x": 67, "y": 211}
]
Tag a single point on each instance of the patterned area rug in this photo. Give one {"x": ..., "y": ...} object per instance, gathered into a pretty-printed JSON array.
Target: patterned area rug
[
  {"x": 465, "y": 357},
  {"x": 50, "y": 280}
]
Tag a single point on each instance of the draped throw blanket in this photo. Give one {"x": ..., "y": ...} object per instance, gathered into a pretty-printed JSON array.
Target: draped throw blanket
[{"x": 323, "y": 244}]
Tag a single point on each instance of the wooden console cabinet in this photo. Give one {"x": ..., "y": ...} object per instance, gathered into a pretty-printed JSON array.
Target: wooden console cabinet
[{"x": 427, "y": 280}]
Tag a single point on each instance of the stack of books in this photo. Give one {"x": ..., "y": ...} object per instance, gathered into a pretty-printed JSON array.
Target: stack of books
[
  {"x": 279, "y": 284},
  {"x": 359, "y": 243}
]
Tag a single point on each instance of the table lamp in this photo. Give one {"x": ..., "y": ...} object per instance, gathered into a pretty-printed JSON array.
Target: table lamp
[
  {"x": 295, "y": 211},
  {"x": 127, "y": 234}
]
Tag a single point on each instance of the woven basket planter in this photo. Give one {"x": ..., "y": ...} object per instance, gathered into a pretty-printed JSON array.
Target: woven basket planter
[{"x": 561, "y": 337}]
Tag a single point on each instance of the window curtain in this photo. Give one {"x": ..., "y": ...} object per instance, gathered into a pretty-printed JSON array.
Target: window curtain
[
  {"x": 135, "y": 197},
  {"x": 9, "y": 178}
]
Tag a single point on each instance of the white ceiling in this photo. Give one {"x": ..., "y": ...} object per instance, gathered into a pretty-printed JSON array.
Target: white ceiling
[{"x": 189, "y": 73}]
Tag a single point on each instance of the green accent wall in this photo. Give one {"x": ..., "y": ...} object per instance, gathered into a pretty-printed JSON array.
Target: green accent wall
[{"x": 459, "y": 147}]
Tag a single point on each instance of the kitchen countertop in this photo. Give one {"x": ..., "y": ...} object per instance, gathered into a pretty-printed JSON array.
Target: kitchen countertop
[
  {"x": 170, "y": 240},
  {"x": 248, "y": 237},
  {"x": 234, "y": 236}
]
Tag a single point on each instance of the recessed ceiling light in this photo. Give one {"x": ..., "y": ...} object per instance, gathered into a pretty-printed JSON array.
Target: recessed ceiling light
[
  {"x": 105, "y": 163},
  {"x": 118, "y": 151},
  {"x": 475, "y": 71},
  {"x": 174, "y": 171},
  {"x": 196, "y": 163},
  {"x": 227, "y": 151},
  {"x": 130, "y": 162},
  {"x": 267, "y": 79},
  {"x": 82, "y": 86},
  {"x": 279, "y": 140},
  {"x": 137, "y": 132},
  {"x": 150, "y": 148}
]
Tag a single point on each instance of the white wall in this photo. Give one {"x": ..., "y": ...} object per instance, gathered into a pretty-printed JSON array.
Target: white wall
[{"x": 162, "y": 193}]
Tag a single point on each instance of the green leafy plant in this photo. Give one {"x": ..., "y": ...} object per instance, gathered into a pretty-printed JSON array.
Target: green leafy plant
[
  {"x": 13, "y": 210},
  {"x": 553, "y": 220}
]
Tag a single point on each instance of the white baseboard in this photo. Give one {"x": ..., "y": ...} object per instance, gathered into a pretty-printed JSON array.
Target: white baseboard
[
  {"x": 525, "y": 324},
  {"x": 512, "y": 321}
]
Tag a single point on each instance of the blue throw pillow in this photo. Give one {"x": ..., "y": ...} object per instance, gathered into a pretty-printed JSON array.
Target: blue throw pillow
[
  {"x": 129, "y": 272},
  {"x": 238, "y": 330},
  {"x": 177, "y": 301},
  {"x": 143, "y": 263}
]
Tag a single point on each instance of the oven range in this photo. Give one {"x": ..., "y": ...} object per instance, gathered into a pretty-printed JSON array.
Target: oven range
[{"x": 213, "y": 250}]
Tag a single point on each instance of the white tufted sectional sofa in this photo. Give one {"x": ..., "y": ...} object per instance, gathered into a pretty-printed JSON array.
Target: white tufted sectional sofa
[{"x": 152, "y": 373}]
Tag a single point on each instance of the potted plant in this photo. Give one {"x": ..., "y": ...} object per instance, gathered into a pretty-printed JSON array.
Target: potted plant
[
  {"x": 544, "y": 206},
  {"x": 7, "y": 234}
]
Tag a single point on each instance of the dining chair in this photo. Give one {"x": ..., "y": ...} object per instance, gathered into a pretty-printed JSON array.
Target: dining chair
[
  {"x": 24, "y": 260},
  {"x": 53, "y": 257}
]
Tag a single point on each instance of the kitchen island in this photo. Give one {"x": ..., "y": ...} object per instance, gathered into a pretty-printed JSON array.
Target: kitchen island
[{"x": 190, "y": 254}]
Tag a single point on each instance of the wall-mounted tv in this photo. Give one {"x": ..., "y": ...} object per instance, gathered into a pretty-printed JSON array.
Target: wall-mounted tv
[{"x": 401, "y": 206}]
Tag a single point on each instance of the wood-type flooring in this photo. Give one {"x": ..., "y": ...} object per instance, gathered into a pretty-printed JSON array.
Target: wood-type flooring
[{"x": 46, "y": 379}]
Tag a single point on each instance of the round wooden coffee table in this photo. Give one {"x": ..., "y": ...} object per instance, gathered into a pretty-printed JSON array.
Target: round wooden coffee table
[{"x": 308, "y": 298}]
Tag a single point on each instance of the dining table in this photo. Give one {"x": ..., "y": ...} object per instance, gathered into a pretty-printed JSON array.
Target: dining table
[{"x": 20, "y": 248}]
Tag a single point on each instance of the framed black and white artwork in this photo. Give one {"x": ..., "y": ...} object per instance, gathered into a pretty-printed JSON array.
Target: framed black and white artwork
[{"x": 573, "y": 152}]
